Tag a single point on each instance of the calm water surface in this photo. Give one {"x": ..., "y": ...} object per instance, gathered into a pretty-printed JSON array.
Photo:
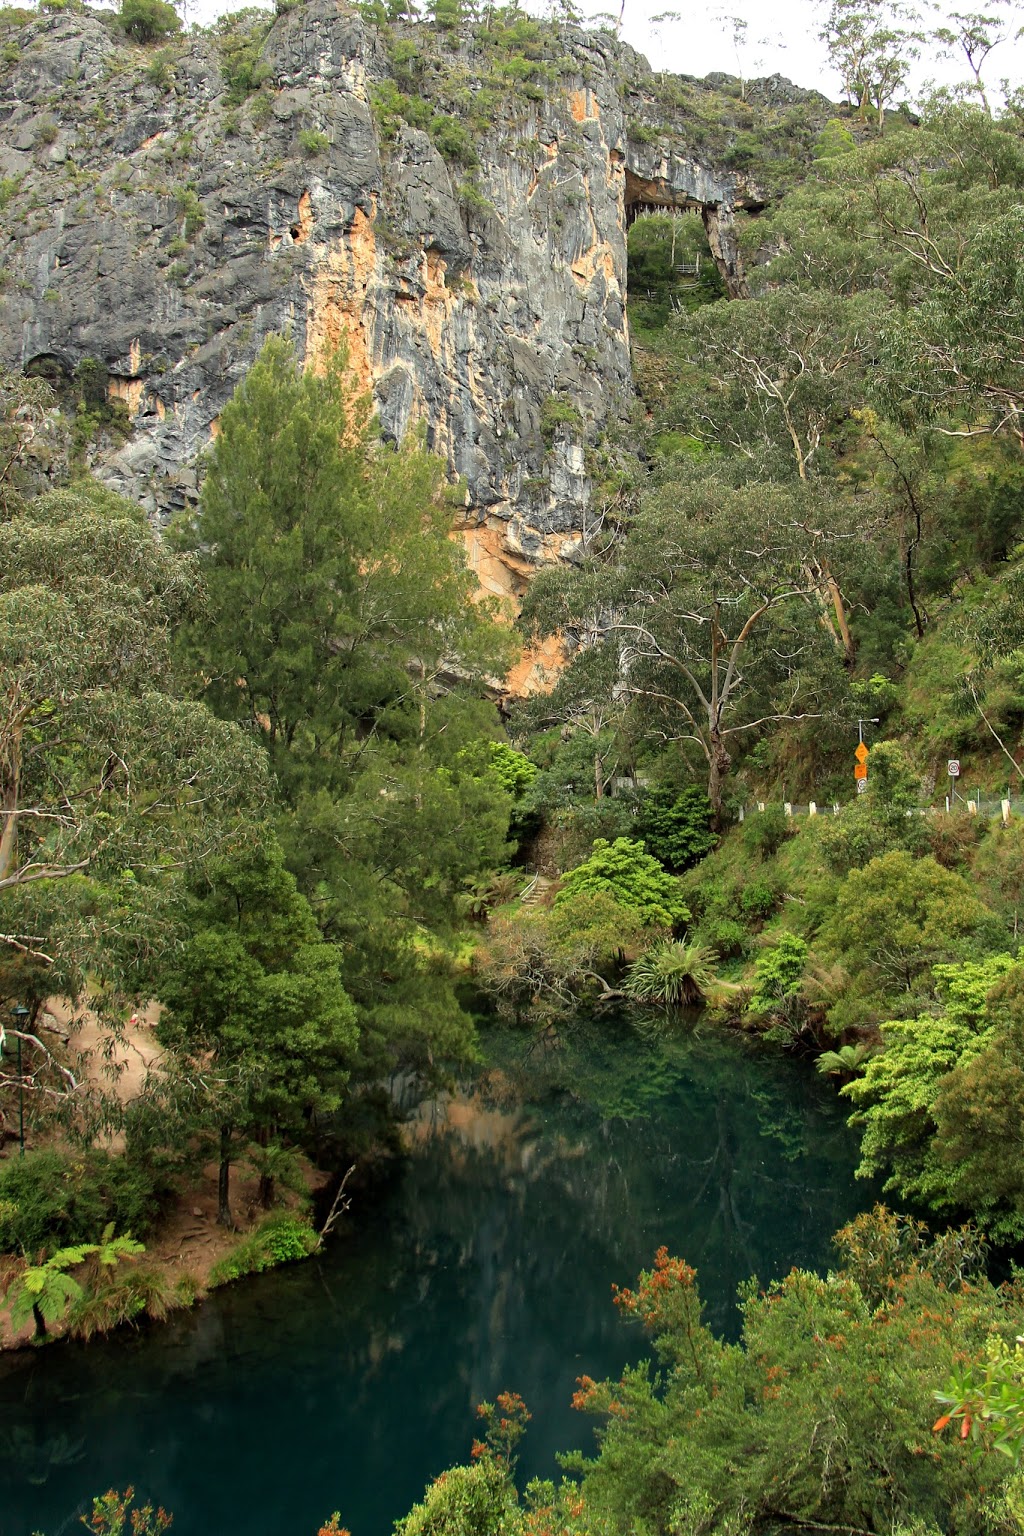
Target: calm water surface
[{"x": 348, "y": 1382}]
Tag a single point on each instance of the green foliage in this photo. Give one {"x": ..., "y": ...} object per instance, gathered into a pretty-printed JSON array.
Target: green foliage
[
  {"x": 881, "y": 820},
  {"x": 148, "y": 21},
  {"x": 190, "y": 207},
  {"x": 46, "y": 1291},
  {"x": 778, "y": 974},
  {"x": 329, "y": 572},
  {"x": 514, "y": 770},
  {"x": 160, "y": 70},
  {"x": 632, "y": 877},
  {"x": 986, "y": 1401},
  {"x": 897, "y": 918},
  {"x": 49, "y": 1199},
  {"x": 558, "y": 415},
  {"x": 675, "y": 825},
  {"x": 669, "y": 266},
  {"x": 109, "y": 778},
  {"x": 819, "y": 1416},
  {"x": 280, "y": 1239},
  {"x": 312, "y": 142},
  {"x": 845, "y": 1061},
  {"x": 695, "y": 623},
  {"x": 673, "y": 974},
  {"x": 240, "y": 37},
  {"x": 255, "y": 1000},
  {"x": 478, "y": 1500},
  {"x": 926, "y": 1060},
  {"x": 765, "y": 832}
]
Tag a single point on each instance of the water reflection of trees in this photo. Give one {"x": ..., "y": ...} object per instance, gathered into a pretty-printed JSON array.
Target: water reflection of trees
[{"x": 488, "y": 1263}]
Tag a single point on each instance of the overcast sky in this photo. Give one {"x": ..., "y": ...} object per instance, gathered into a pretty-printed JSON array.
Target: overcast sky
[
  {"x": 694, "y": 39},
  {"x": 781, "y": 37}
]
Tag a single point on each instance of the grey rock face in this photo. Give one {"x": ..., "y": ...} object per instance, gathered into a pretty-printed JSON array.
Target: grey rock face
[{"x": 165, "y": 233}]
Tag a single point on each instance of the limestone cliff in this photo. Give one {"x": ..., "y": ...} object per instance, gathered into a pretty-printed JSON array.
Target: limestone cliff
[{"x": 161, "y": 219}]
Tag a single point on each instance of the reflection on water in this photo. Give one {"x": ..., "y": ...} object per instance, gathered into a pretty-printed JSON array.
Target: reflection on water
[{"x": 346, "y": 1383}]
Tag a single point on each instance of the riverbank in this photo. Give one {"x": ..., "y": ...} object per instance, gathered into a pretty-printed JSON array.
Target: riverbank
[
  {"x": 482, "y": 1263},
  {"x": 189, "y": 1245}
]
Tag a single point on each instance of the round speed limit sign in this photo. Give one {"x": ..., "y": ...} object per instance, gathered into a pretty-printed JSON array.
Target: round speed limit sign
[{"x": 953, "y": 768}]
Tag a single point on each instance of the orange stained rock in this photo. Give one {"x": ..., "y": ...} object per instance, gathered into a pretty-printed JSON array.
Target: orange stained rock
[
  {"x": 338, "y": 307},
  {"x": 599, "y": 259},
  {"x": 583, "y": 105},
  {"x": 130, "y": 391},
  {"x": 501, "y": 572},
  {"x": 537, "y": 670},
  {"x": 304, "y": 223}
]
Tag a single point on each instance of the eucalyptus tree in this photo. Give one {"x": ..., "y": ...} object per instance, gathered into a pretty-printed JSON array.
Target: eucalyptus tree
[
  {"x": 710, "y": 610},
  {"x": 871, "y": 45},
  {"x": 111, "y": 782},
  {"x": 773, "y": 380},
  {"x": 972, "y": 36},
  {"x": 957, "y": 357},
  {"x": 109, "y": 779}
]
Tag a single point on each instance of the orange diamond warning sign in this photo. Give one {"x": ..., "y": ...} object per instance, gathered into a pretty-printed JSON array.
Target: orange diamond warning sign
[{"x": 861, "y": 753}]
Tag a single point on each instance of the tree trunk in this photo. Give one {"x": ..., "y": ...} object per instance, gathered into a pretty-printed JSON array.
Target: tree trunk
[
  {"x": 9, "y": 790},
  {"x": 266, "y": 1189},
  {"x": 718, "y": 772},
  {"x": 224, "y": 1178},
  {"x": 839, "y": 608},
  {"x": 598, "y": 777},
  {"x": 40, "y": 1321}
]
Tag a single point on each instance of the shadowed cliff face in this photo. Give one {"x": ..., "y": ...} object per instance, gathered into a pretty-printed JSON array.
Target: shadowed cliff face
[{"x": 158, "y": 229}]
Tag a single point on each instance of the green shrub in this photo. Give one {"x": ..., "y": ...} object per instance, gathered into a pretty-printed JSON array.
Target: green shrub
[
  {"x": 313, "y": 142},
  {"x": 160, "y": 70},
  {"x": 760, "y": 898},
  {"x": 625, "y": 871},
  {"x": 778, "y": 973},
  {"x": 676, "y": 825},
  {"x": 240, "y": 38},
  {"x": 280, "y": 1239},
  {"x": 50, "y": 1200},
  {"x": 764, "y": 832},
  {"x": 148, "y": 21},
  {"x": 556, "y": 413},
  {"x": 454, "y": 140},
  {"x": 724, "y": 935}
]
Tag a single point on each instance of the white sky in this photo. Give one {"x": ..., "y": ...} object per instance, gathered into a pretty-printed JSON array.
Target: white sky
[{"x": 781, "y": 38}]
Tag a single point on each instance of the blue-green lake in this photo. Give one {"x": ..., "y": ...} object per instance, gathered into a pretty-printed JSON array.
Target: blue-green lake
[{"x": 485, "y": 1262}]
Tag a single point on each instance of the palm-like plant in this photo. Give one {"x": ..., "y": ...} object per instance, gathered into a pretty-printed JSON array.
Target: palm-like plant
[
  {"x": 46, "y": 1291},
  {"x": 847, "y": 1060},
  {"x": 675, "y": 974}
]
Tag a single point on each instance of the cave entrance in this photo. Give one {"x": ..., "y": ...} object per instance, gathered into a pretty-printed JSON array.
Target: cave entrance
[
  {"x": 669, "y": 265},
  {"x": 680, "y": 213}
]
